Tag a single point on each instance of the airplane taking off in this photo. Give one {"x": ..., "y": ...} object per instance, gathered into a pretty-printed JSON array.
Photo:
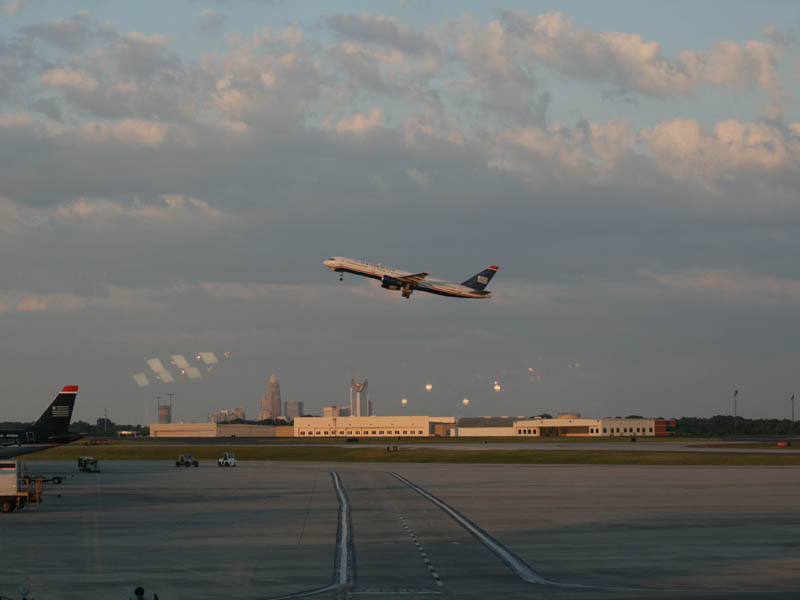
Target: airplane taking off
[
  {"x": 52, "y": 428},
  {"x": 392, "y": 279}
]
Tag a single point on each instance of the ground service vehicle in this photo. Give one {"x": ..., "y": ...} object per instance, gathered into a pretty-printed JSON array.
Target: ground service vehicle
[
  {"x": 228, "y": 459},
  {"x": 15, "y": 490},
  {"x": 186, "y": 460},
  {"x": 88, "y": 464}
]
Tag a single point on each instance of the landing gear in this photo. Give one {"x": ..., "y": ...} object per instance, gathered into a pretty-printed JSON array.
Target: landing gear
[
  {"x": 341, "y": 276},
  {"x": 406, "y": 291}
]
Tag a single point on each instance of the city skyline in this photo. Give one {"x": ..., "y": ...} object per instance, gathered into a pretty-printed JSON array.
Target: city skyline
[{"x": 172, "y": 176}]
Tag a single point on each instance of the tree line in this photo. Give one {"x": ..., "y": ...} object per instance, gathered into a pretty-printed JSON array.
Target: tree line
[{"x": 730, "y": 425}]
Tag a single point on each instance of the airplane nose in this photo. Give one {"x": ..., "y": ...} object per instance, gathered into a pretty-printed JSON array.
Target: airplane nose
[{"x": 328, "y": 263}]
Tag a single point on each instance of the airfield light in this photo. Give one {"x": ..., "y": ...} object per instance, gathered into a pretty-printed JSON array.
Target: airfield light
[
  {"x": 428, "y": 387},
  {"x": 497, "y": 387},
  {"x": 404, "y": 401},
  {"x": 465, "y": 401}
]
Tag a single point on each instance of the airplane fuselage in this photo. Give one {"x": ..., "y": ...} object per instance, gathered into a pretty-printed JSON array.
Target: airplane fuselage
[
  {"x": 395, "y": 279},
  {"x": 14, "y": 442}
]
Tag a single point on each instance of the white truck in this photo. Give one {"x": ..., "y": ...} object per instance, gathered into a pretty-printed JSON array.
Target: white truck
[
  {"x": 17, "y": 490},
  {"x": 9, "y": 477},
  {"x": 228, "y": 459}
]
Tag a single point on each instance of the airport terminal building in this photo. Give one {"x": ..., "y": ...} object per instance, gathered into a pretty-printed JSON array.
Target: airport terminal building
[
  {"x": 398, "y": 426},
  {"x": 210, "y": 430},
  {"x": 333, "y": 425},
  {"x": 575, "y": 426}
]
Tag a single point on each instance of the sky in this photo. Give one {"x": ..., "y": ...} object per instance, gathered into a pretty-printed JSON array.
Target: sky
[{"x": 173, "y": 175}]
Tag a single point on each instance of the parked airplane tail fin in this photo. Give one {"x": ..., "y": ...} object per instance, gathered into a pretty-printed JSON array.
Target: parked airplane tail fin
[
  {"x": 480, "y": 280},
  {"x": 58, "y": 415}
]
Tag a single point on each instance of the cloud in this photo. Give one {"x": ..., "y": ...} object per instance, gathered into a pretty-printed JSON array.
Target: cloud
[
  {"x": 420, "y": 177},
  {"x": 71, "y": 79},
  {"x": 133, "y": 132},
  {"x": 786, "y": 37},
  {"x": 14, "y": 7},
  {"x": 382, "y": 30},
  {"x": 628, "y": 61},
  {"x": 686, "y": 148},
  {"x": 730, "y": 287},
  {"x": 69, "y": 34},
  {"x": 360, "y": 124},
  {"x": 210, "y": 21}
]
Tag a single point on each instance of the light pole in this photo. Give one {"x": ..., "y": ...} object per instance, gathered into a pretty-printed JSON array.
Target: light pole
[
  {"x": 792, "y": 408},
  {"x": 735, "y": 393}
]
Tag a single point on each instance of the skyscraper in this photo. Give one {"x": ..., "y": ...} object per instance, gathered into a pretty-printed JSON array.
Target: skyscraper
[
  {"x": 271, "y": 401},
  {"x": 292, "y": 409}
]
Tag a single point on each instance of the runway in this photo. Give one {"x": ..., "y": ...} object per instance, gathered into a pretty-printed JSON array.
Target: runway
[{"x": 336, "y": 530}]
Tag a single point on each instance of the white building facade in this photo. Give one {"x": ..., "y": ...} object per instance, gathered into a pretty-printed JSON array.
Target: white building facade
[{"x": 368, "y": 426}]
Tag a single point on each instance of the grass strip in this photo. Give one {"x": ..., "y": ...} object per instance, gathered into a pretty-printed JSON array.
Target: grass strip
[{"x": 418, "y": 455}]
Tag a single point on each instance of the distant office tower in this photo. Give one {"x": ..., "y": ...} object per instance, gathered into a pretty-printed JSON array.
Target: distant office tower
[
  {"x": 359, "y": 398},
  {"x": 335, "y": 411},
  {"x": 292, "y": 410},
  {"x": 271, "y": 402}
]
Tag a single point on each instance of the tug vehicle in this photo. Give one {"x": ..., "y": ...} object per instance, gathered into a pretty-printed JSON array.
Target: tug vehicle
[
  {"x": 228, "y": 459},
  {"x": 187, "y": 460}
]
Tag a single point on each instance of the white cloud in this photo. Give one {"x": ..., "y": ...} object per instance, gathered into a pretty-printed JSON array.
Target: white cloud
[
  {"x": 210, "y": 21},
  {"x": 14, "y": 7},
  {"x": 360, "y": 124},
  {"x": 382, "y": 30},
  {"x": 70, "y": 78},
  {"x": 685, "y": 147},
  {"x": 420, "y": 177},
  {"x": 626, "y": 59},
  {"x": 730, "y": 286},
  {"x": 133, "y": 132}
]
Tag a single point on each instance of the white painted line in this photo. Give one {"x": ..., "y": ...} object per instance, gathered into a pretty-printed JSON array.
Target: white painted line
[
  {"x": 344, "y": 542},
  {"x": 344, "y": 528},
  {"x": 512, "y": 560}
]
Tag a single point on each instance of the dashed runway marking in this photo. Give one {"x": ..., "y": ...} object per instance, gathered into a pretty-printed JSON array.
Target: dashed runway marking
[{"x": 420, "y": 548}]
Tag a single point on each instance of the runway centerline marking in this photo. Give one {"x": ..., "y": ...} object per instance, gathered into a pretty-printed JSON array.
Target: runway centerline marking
[
  {"x": 420, "y": 548},
  {"x": 525, "y": 572}
]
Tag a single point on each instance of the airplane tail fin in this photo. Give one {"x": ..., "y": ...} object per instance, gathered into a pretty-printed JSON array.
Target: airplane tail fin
[
  {"x": 479, "y": 281},
  {"x": 58, "y": 415}
]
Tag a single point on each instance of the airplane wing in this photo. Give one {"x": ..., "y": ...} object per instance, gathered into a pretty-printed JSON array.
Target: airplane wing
[{"x": 413, "y": 279}]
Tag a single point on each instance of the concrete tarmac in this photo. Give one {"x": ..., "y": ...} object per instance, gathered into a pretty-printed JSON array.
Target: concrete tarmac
[{"x": 269, "y": 530}]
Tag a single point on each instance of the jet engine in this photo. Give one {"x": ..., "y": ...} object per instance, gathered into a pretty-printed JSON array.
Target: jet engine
[{"x": 391, "y": 283}]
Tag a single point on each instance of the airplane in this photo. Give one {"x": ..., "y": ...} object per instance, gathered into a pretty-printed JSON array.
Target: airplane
[
  {"x": 52, "y": 428},
  {"x": 393, "y": 279}
]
